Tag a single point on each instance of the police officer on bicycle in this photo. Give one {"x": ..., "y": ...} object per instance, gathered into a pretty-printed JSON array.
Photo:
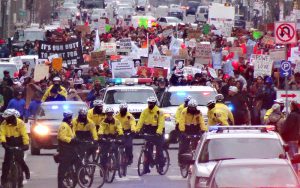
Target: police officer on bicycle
[
  {"x": 191, "y": 123},
  {"x": 66, "y": 142},
  {"x": 96, "y": 114},
  {"x": 128, "y": 124},
  {"x": 13, "y": 134},
  {"x": 152, "y": 122},
  {"x": 110, "y": 127}
]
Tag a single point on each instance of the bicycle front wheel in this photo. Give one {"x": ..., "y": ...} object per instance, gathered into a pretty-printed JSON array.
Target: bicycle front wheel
[
  {"x": 70, "y": 179},
  {"x": 90, "y": 175},
  {"x": 122, "y": 170},
  {"x": 184, "y": 170},
  {"x": 13, "y": 176},
  {"x": 166, "y": 163},
  {"x": 110, "y": 170},
  {"x": 141, "y": 165}
]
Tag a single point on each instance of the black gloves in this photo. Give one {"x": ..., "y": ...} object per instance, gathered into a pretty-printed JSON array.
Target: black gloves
[{"x": 74, "y": 141}]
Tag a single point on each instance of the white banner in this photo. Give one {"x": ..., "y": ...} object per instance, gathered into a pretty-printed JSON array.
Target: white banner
[{"x": 125, "y": 45}]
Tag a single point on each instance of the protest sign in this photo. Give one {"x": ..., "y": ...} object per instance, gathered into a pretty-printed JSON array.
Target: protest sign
[
  {"x": 278, "y": 54},
  {"x": 109, "y": 47},
  {"x": 201, "y": 62},
  {"x": 97, "y": 58},
  {"x": 194, "y": 34},
  {"x": 143, "y": 22},
  {"x": 191, "y": 71},
  {"x": 183, "y": 53},
  {"x": 212, "y": 72},
  {"x": 160, "y": 72},
  {"x": 144, "y": 72},
  {"x": 159, "y": 61},
  {"x": 262, "y": 65},
  {"x": 217, "y": 60},
  {"x": 41, "y": 71},
  {"x": 167, "y": 33},
  {"x": 51, "y": 57},
  {"x": 123, "y": 69},
  {"x": 203, "y": 53},
  {"x": 192, "y": 43},
  {"x": 70, "y": 51},
  {"x": 102, "y": 24},
  {"x": 84, "y": 29},
  {"x": 125, "y": 45},
  {"x": 295, "y": 53},
  {"x": 57, "y": 63},
  {"x": 297, "y": 67},
  {"x": 238, "y": 51},
  {"x": 268, "y": 40}
]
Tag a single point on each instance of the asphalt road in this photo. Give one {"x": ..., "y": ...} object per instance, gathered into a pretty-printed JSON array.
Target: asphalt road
[{"x": 44, "y": 173}]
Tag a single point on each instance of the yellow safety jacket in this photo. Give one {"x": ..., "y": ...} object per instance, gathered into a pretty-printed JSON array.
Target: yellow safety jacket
[
  {"x": 191, "y": 121},
  {"x": 217, "y": 116},
  {"x": 14, "y": 135},
  {"x": 153, "y": 119},
  {"x": 96, "y": 118},
  {"x": 65, "y": 133},
  {"x": 225, "y": 111},
  {"x": 62, "y": 92},
  {"x": 111, "y": 128},
  {"x": 84, "y": 130},
  {"x": 127, "y": 121},
  {"x": 178, "y": 113}
]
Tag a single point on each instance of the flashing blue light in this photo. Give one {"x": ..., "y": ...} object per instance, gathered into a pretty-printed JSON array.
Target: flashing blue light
[
  {"x": 65, "y": 107},
  {"x": 231, "y": 107},
  {"x": 54, "y": 107},
  {"x": 118, "y": 80},
  {"x": 181, "y": 93}
]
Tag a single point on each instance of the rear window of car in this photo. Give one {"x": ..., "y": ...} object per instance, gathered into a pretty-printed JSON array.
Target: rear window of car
[{"x": 240, "y": 148}]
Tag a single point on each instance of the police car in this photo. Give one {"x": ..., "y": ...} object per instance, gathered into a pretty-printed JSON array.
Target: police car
[
  {"x": 232, "y": 142},
  {"x": 131, "y": 91},
  {"x": 174, "y": 96}
]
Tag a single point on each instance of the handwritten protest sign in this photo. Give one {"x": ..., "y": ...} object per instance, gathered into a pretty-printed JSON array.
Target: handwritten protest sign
[
  {"x": 125, "y": 45},
  {"x": 102, "y": 24},
  {"x": 262, "y": 65},
  {"x": 160, "y": 72},
  {"x": 278, "y": 54},
  {"x": 57, "y": 63},
  {"x": 97, "y": 58},
  {"x": 123, "y": 69},
  {"x": 41, "y": 71},
  {"x": 110, "y": 48},
  {"x": 194, "y": 34},
  {"x": 144, "y": 72},
  {"x": 159, "y": 61}
]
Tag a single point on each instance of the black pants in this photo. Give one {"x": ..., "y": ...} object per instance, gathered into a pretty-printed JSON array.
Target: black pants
[
  {"x": 67, "y": 159},
  {"x": 19, "y": 157},
  {"x": 127, "y": 141},
  {"x": 158, "y": 142}
]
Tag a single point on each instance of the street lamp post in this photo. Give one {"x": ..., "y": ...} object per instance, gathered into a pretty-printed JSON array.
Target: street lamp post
[{"x": 4, "y": 18}]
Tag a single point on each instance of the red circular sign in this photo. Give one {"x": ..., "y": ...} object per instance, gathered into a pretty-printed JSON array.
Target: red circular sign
[{"x": 285, "y": 32}]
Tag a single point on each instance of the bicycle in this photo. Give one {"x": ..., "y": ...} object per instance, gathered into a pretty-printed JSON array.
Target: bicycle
[
  {"x": 82, "y": 172},
  {"x": 113, "y": 157},
  {"x": 193, "y": 141},
  {"x": 123, "y": 159},
  {"x": 15, "y": 173},
  {"x": 152, "y": 161}
]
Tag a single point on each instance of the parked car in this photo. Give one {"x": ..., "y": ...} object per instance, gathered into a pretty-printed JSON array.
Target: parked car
[
  {"x": 178, "y": 15},
  {"x": 253, "y": 173}
]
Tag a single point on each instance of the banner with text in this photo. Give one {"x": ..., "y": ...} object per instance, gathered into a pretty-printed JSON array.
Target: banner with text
[{"x": 262, "y": 65}]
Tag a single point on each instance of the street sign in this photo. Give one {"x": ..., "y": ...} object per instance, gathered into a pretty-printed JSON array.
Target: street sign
[
  {"x": 285, "y": 69},
  {"x": 290, "y": 95},
  {"x": 285, "y": 32}
]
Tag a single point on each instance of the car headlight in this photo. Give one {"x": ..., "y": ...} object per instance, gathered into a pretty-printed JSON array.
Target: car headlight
[
  {"x": 41, "y": 130},
  {"x": 167, "y": 136},
  {"x": 201, "y": 182}
]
